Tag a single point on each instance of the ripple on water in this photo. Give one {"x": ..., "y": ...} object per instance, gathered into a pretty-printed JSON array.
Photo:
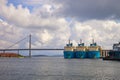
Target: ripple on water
[{"x": 57, "y": 68}]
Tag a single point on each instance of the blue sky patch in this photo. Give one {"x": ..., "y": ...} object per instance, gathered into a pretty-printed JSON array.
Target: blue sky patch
[{"x": 20, "y": 2}]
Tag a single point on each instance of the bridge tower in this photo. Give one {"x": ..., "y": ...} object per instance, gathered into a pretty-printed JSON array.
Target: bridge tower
[{"x": 30, "y": 45}]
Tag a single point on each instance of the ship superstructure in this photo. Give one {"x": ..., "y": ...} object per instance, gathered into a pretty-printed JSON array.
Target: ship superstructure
[
  {"x": 115, "y": 53},
  {"x": 116, "y": 47}
]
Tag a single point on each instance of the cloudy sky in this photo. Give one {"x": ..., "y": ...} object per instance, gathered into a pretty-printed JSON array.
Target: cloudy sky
[{"x": 52, "y": 22}]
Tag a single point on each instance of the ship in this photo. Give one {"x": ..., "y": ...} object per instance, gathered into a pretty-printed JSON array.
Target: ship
[
  {"x": 81, "y": 50},
  {"x": 114, "y": 54},
  {"x": 69, "y": 51},
  {"x": 94, "y": 50}
]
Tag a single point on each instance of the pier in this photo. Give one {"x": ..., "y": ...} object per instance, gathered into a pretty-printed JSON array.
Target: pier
[{"x": 104, "y": 53}]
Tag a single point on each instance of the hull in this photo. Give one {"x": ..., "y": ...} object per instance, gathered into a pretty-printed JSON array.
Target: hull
[
  {"x": 80, "y": 54},
  {"x": 69, "y": 54},
  {"x": 114, "y": 54},
  {"x": 93, "y": 54},
  {"x": 110, "y": 58}
]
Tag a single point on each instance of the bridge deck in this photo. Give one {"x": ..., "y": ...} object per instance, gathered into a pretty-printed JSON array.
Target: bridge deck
[{"x": 26, "y": 49}]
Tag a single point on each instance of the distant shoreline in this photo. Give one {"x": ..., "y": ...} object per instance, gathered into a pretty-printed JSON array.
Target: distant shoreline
[{"x": 47, "y": 55}]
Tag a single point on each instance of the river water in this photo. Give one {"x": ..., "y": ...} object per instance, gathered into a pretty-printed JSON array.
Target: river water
[{"x": 58, "y": 68}]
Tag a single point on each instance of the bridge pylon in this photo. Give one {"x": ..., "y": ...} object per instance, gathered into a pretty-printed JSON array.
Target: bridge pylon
[{"x": 30, "y": 45}]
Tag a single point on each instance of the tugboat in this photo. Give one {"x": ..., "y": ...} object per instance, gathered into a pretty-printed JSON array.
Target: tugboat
[
  {"x": 69, "y": 51},
  {"x": 93, "y": 50},
  {"x": 81, "y": 50},
  {"x": 115, "y": 53}
]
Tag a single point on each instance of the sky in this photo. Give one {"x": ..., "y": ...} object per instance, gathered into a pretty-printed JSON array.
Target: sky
[{"x": 53, "y": 22}]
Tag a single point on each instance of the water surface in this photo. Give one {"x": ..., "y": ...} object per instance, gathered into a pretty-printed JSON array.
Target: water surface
[{"x": 57, "y": 68}]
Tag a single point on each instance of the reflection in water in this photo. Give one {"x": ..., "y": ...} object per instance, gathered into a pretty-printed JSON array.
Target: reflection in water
[{"x": 57, "y": 68}]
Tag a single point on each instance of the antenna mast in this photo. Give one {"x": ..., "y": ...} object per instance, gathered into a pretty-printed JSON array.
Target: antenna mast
[
  {"x": 69, "y": 41},
  {"x": 93, "y": 40},
  {"x": 80, "y": 41}
]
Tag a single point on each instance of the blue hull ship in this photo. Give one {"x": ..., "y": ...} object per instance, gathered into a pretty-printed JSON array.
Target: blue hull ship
[
  {"x": 94, "y": 51},
  {"x": 69, "y": 51},
  {"x": 81, "y": 50}
]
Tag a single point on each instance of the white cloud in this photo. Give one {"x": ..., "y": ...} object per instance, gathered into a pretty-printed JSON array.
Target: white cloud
[
  {"x": 44, "y": 36},
  {"x": 51, "y": 31},
  {"x": 104, "y": 32},
  {"x": 17, "y": 16},
  {"x": 9, "y": 35}
]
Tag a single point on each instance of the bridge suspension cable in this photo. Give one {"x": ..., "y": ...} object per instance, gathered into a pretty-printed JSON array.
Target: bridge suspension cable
[{"x": 17, "y": 42}]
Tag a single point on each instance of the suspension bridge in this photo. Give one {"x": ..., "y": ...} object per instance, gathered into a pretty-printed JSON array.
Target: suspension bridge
[
  {"x": 27, "y": 49},
  {"x": 104, "y": 53}
]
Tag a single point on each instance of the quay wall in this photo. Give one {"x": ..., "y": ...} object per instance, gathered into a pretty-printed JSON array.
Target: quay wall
[{"x": 104, "y": 53}]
